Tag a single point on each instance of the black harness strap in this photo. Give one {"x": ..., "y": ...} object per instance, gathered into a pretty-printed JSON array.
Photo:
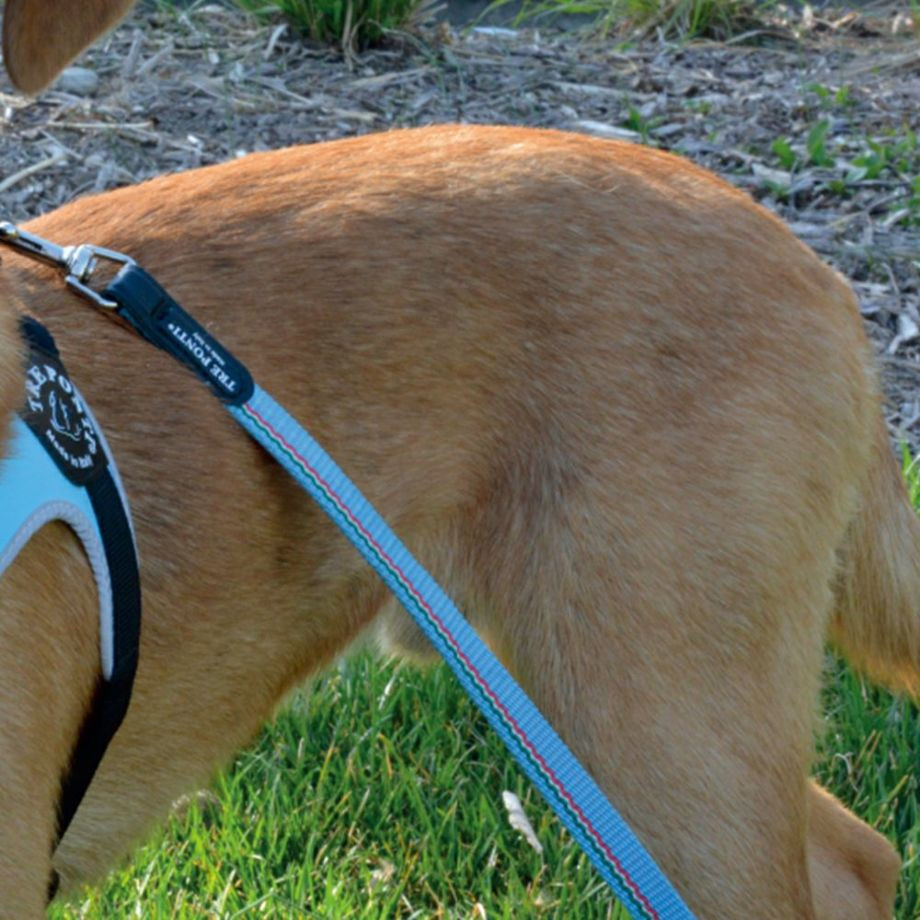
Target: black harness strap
[
  {"x": 112, "y": 696},
  {"x": 113, "y": 691}
]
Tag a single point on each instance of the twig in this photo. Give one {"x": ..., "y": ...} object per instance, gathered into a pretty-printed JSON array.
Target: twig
[
  {"x": 154, "y": 59},
  {"x": 57, "y": 157},
  {"x": 277, "y": 32}
]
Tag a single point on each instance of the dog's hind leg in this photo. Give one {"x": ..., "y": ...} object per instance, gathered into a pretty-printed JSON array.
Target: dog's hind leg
[
  {"x": 669, "y": 619},
  {"x": 853, "y": 869},
  {"x": 695, "y": 721}
]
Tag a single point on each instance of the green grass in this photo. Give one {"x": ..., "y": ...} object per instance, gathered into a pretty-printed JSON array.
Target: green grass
[
  {"x": 351, "y": 24},
  {"x": 869, "y": 756},
  {"x": 378, "y": 795},
  {"x": 677, "y": 20},
  {"x": 363, "y": 23}
]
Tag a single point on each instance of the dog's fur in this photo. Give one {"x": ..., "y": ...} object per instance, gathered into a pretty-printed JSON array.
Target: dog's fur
[{"x": 619, "y": 411}]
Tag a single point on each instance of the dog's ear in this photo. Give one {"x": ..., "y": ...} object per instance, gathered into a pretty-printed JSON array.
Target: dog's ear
[{"x": 41, "y": 37}]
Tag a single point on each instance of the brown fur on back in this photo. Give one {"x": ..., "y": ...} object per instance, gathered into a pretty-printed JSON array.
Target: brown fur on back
[{"x": 618, "y": 410}]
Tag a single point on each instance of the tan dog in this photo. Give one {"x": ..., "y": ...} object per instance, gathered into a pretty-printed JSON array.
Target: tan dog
[{"x": 616, "y": 408}]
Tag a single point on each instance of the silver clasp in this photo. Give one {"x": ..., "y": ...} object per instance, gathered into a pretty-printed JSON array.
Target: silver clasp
[
  {"x": 31, "y": 245},
  {"x": 81, "y": 262},
  {"x": 77, "y": 262}
]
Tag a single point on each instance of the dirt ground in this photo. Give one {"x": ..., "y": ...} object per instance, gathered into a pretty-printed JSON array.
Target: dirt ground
[{"x": 172, "y": 90}]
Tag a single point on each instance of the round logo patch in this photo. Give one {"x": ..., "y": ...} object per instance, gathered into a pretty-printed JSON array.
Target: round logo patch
[{"x": 57, "y": 415}]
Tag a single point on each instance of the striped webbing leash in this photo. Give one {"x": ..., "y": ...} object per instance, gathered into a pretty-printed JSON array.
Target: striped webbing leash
[
  {"x": 594, "y": 823},
  {"x": 574, "y": 796}
]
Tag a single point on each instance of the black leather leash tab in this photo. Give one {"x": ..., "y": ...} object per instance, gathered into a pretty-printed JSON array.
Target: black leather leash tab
[{"x": 160, "y": 320}]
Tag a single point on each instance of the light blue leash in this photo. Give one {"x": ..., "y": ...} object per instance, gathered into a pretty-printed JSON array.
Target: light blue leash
[{"x": 574, "y": 796}]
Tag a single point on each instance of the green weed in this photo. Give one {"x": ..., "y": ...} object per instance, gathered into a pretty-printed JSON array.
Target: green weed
[
  {"x": 815, "y": 151},
  {"x": 785, "y": 154},
  {"x": 842, "y": 97},
  {"x": 643, "y": 126},
  {"x": 672, "y": 19},
  {"x": 846, "y": 162},
  {"x": 347, "y": 23}
]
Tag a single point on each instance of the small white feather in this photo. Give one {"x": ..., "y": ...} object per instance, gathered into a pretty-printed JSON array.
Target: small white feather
[{"x": 519, "y": 821}]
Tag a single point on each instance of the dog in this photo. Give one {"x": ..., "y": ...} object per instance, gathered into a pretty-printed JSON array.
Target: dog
[{"x": 614, "y": 406}]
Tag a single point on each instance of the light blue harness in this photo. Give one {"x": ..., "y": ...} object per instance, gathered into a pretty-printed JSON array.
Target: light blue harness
[
  {"x": 57, "y": 467},
  {"x": 35, "y": 492}
]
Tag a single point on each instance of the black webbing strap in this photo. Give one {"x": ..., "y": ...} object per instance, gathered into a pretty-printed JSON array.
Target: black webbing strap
[
  {"x": 111, "y": 697},
  {"x": 57, "y": 417}
]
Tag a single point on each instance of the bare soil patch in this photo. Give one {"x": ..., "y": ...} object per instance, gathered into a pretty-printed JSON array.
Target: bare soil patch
[{"x": 176, "y": 90}]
